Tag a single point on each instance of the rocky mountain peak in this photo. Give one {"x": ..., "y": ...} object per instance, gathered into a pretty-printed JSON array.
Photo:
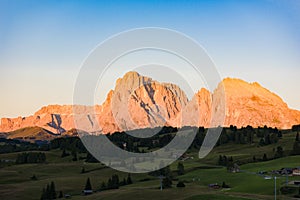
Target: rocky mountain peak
[{"x": 138, "y": 101}]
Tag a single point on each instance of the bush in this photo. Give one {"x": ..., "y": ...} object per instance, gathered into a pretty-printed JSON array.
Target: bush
[
  {"x": 34, "y": 178},
  {"x": 288, "y": 190},
  {"x": 224, "y": 185},
  {"x": 180, "y": 184}
]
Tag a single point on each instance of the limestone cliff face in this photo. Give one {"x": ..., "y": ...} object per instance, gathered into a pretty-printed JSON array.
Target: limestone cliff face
[
  {"x": 139, "y": 102},
  {"x": 198, "y": 110},
  {"x": 55, "y": 118}
]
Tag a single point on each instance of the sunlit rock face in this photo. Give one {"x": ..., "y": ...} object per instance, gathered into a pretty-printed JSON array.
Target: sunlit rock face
[
  {"x": 252, "y": 104},
  {"x": 138, "y": 102}
]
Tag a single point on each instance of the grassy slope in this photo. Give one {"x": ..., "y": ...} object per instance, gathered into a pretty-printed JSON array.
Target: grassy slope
[
  {"x": 245, "y": 152},
  {"x": 37, "y": 132},
  {"x": 15, "y": 180}
]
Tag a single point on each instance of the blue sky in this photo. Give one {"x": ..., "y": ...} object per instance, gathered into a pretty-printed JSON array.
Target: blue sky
[{"x": 43, "y": 43}]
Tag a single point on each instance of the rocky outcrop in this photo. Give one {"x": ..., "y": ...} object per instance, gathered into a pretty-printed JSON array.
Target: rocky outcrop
[
  {"x": 252, "y": 104},
  {"x": 55, "y": 118},
  {"x": 139, "y": 102}
]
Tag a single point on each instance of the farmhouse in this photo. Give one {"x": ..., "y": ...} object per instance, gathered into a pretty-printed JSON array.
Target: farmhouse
[
  {"x": 296, "y": 172},
  {"x": 87, "y": 192}
]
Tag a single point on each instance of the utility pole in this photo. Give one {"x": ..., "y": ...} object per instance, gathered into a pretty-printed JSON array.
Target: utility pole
[
  {"x": 161, "y": 177},
  {"x": 275, "y": 187}
]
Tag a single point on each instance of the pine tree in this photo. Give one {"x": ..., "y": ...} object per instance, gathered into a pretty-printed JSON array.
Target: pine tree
[
  {"x": 129, "y": 181},
  {"x": 44, "y": 195},
  {"x": 180, "y": 168},
  {"x": 279, "y": 152},
  {"x": 265, "y": 157},
  {"x": 52, "y": 192},
  {"x": 167, "y": 181},
  {"x": 34, "y": 178},
  {"x": 123, "y": 182},
  {"x": 103, "y": 186},
  {"x": 74, "y": 154},
  {"x": 261, "y": 142},
  {"x": 48, "y": 193},
  {"x": 43, "y": 157},
  {"x": 296, "y": 148},
  {"x": 279, "y": 134},
  {"x": 267, "y": 139},
  {"x": 220, "y": 162},
  {"x": 180, "y": 184},
  {"x": 109, "y": 184},
  {"x": 88, "y": 185},
  {"x": 64, "y": 153},
  {"x": 224, "y": 185},
  {"x": 60, "y": 195},
  {"x": 225, "y": 161},
  {"x": 115, "y": 181}
]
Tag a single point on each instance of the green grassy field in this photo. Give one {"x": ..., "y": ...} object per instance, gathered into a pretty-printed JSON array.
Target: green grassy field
[{"x": 15, "y": 182}]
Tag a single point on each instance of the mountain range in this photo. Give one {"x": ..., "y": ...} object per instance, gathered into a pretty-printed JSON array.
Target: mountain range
[{"x": 138, "y": 102}]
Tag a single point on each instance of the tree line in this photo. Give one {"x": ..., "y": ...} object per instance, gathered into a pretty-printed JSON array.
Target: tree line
[{"x": 31, "y": 157}]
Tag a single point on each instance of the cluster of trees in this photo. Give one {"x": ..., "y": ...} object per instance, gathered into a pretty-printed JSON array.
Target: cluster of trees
[
  {"x": 228, "y": 161},
  {"x": 71, "y": 146},
  {"x": 68, "y": 143},
  {"x": 114, "y": 182},
  {"x": 13, "y": 145},
  {"x": 49, "y": 192},
  {"x": 160, "y": 138},
  {"x": 246, "y": 135},
  {"x": 31, "y": 157},
  {"x": 225, "y": 161},
  {"x": 167, "y": 175},
  {"x": 278, "y": 154}
]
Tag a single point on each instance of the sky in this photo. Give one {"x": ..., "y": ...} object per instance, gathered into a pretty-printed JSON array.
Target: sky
[{"x": 44, "y": 43}]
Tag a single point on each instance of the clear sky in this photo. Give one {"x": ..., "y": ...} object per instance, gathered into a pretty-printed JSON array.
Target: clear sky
[{"x": 43, "y": 43}]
